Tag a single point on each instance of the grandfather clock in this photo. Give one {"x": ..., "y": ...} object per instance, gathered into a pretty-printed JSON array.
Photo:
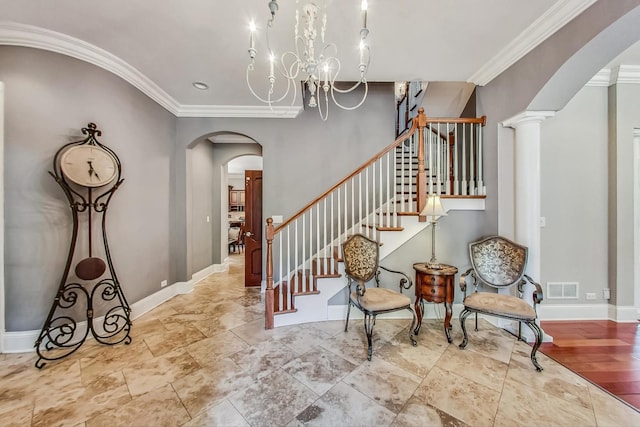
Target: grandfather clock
[{"x": 89, "y": 299}]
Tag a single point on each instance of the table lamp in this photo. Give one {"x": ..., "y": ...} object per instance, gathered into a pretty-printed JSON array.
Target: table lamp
[{"x": 433, "y": 210}]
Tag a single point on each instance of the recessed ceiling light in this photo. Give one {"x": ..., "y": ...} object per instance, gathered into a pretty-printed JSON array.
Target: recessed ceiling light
[{"x": 200, "y": 85}]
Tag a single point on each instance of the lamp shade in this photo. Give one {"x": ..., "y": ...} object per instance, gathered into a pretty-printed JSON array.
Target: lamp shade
[{"x": 433, "y": 208}]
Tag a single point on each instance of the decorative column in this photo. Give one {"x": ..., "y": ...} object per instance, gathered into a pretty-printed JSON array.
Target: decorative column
[{"x": 527, "y": 190}]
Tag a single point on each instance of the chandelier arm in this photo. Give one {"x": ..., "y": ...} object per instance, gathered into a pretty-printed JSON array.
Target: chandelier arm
[
  {"x": 326, "y": 102},
  {"x": 266, "y": 101},
  {"x": 366, "y": 91}
]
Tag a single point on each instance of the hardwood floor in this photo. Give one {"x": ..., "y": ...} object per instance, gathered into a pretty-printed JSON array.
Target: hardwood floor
[{"x": 604, "y": 352}]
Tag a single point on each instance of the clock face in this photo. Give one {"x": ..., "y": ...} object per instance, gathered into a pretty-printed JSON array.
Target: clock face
[{"x": 88, "y": 165}]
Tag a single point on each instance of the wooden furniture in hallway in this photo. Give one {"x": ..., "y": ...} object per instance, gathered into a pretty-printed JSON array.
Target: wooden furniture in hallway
[{"x": 434, "y": 285}]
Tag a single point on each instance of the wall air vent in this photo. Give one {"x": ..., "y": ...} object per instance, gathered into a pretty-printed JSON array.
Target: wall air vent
[{"x": 562, "y": 290}]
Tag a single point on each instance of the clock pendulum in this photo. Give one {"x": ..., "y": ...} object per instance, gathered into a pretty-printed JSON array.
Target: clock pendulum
[{"x": 91, "y": 301}]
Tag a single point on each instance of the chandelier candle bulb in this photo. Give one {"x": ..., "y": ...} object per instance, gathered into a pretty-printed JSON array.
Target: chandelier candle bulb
[
  {"x": 252, "y": 30},
  {"x": 364, "y": 13},
  {"x": 311, "y": 58}
]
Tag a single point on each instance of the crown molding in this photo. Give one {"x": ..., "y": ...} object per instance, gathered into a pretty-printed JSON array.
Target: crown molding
[
  {"x": 628, "y": 74},
  {"x": 15, "y": 34},
  {"x": 247, "y": 111},
  {"x": 602, "y": 78},
  {"x": 542, "y": 28},
  {"x": 623, "y": 74}
]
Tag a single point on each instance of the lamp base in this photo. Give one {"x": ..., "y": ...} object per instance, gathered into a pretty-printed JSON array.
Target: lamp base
[{"x": 435, "y": 265}]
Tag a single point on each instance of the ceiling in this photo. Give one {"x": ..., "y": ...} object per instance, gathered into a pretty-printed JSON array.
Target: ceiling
[{"x": 163, "y": 46}]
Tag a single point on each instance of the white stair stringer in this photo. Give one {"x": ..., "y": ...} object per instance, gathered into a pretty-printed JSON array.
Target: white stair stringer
[
  {"x": 315, "y": 308},
  {"x": 392, "y": 240}
]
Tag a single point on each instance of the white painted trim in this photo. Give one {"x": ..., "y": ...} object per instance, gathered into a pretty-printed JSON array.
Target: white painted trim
[
  {"x": 620, "y": 314},
  {"x": 601, "y": 79},
  {"x": 547, "y": 24},
  {"x": 527, "y": 116},
  {"x": 249, "y": 111},
  {"x": 2, "y": 320},
  {"x": 629, "y": 74},
  {"x": 23, "y": 341},
  {"x": 207, "y": 271},
  {"x": 15, "y": 34},
  {"x": 636, "y": 220}
]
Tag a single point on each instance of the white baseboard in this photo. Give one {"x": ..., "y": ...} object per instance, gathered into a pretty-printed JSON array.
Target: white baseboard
[
  {"x": 620, "y": 314},
  {"x": 24, "y": 341},
  {"x": 213, "y": 268}
]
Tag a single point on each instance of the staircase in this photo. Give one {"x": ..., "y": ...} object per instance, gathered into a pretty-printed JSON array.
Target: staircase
[{"x": 381, "y": 199}]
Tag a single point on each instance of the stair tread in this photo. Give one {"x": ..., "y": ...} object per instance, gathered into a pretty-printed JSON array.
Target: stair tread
[
  {"x": 297, "y": 294},
  {"x": 295, "y": 310}
]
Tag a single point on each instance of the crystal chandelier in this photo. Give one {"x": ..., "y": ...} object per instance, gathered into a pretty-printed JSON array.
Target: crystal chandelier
[{"x": 314, "y": 63}]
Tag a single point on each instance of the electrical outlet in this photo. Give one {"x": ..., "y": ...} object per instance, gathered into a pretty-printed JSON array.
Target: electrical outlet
[
  {"x": 606, "y": 293},
  {"x": 163, "y": 283},
  {"x": 591, "y": 295}
]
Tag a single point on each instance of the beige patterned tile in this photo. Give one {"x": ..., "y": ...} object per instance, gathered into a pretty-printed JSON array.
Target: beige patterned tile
[
  {"x": 319, "y": 369},
  {"x": 610, "y": 411},
  {"x": 160, "y": 344},
  {"x": 541, "y": 408},
  {"x": 275, "y": 400},
  {"x": 74, "y": 405},
  {"x": 480, "y": 369},
  {"x": 555, "y": 379},
  {"x": 158, "y": 408},
  {"x": 210, "y": 385},
  {"x": 417, "y": 360},
  {"x": 262, "y": 359},
  {"x": 223, "y": 414},
  {"x": 468, "y": 401},
  {"x": 106, "y": 359},
  {"x": 152, "y": 374},
  {"x": 209, "y": 350},
  {"x": 384, "y": 382},
  {"x": 417, "y": 413},
  {"x": 343, "y": 406}
]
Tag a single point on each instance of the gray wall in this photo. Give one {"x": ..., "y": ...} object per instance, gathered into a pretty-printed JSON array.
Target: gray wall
[
  {"x": 574, "y": 192},
  {"x": 625, "y": 116},
  {"x": 49, "y": 97},
  {"x": 302, "y": 157}
]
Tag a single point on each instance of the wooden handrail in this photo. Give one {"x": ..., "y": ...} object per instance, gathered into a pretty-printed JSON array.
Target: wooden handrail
[
  {"x": 481, "y": 120},
  {"x": 397, "y": 142}
]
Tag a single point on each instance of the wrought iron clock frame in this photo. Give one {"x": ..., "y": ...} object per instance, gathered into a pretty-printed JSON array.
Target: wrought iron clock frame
[{"x": 62, "y": 333}]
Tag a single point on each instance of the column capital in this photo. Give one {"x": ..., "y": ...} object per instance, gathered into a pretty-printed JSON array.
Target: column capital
[
  {"x": 636, "y": 131},
  {"x": 527, "y": 117}
]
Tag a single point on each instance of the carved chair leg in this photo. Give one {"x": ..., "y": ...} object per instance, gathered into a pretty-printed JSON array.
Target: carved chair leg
[
  {"x": 463, "y": 317},
  {"x": 346, "y": 324},
  {"x": 539, "y": 335},
  {"x": 413, "y": 325},
  {"x": 369, "y": 323}
]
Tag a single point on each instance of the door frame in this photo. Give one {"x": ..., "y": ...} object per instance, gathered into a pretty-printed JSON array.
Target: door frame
[
  {"x": 2, "y": 300},
  {"x": 636, "y": 220}
]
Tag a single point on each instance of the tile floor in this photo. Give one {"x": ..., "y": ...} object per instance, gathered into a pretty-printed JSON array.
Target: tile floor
[{"x": 204, "y": 359}]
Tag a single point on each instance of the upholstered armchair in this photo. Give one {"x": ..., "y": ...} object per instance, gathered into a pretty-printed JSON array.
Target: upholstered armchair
[
  {"x": 500, "y": 263},
  {"x": 361, "y": 260}
]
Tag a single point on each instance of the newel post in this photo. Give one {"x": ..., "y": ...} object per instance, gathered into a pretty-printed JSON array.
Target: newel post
[
  {"x": 268, "y": 310},
  {"x": 421, "y": 179}
]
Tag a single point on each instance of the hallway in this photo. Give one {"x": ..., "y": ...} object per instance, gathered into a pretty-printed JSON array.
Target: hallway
[{"x": 204, "y": 359}]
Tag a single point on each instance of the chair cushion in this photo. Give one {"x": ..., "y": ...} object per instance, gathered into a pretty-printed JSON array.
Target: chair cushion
[
  {"x": 500, "y": 305},
  {"x": 380, "y": 299}
]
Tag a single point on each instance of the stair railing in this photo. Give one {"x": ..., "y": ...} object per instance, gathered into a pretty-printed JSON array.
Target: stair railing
[{"x": 373, "y": 198}]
